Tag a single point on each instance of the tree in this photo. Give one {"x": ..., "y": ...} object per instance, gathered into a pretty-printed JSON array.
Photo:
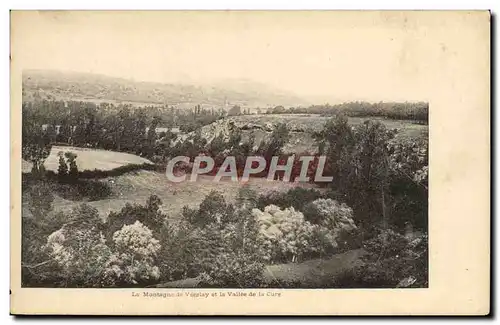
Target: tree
[
  {"x": 371, "y": 158},
  {"x": 40, "y": 199},
  {"x": 233, "y": 270},
  {"x": 149, "y": 215},
  {"x": 337, "y": 140},
  {"x": 73, "y": 168},
  {"x": 274, "y": 146},
  {"x": 287, "y": 237},
  {"x": 151, "y": 136},
  {"x": 391, "y": 261},
  {"x": 50, "y": 133},
  {"x": 337, "y": 218},
  {"x": 64, "y": 132},
  {"x": 235, "y": 110},
  {"x": 213, "y": 210},
  {"x": 278, "y": 110},
  {"x": 247, "y": 197},
  {"x": 79, "y": 249},
  {"x": 62, "y": 169},
  {"x": 37, "y": 267},
  {"x": 36, "y": 144},
  {"x": 133, "y": 259},
  {"x": 358, "y": 160},
  {"x": 331, "y": 214}
]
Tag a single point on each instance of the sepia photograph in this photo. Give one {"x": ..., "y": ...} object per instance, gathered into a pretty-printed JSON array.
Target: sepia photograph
[{"x": 230, "y": 150}]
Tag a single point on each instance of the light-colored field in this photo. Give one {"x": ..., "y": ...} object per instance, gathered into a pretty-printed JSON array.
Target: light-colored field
[
  {"x": 136, "y": 187},
  {"x": 89, "y": 159}
]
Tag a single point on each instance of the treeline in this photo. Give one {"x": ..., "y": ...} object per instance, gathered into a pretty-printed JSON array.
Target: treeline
[
  {"x": 415, "y": 111},
  {"x": 78, "y": 118},
  {"x": 120, "y": 128}
]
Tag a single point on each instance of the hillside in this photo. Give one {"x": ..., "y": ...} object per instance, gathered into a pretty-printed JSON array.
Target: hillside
[
  {"x": 301, "y": 126},
  {"x": 58, "y": 85}
]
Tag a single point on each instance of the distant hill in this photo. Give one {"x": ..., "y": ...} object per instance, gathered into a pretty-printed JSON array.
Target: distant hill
[{"x": 51, "y": 84}]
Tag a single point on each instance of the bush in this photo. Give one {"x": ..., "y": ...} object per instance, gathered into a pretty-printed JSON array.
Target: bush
[
  {"x": 73, "y": 168},
  {"x": 132, "y": 261},
  {"x": 62, "y": 169},
  {"x": 40, "y": 199},
  {"x": 330, "y": 214},
  {"x": 233, "y": 270},
  {"x": 198, "y": 243},
  {"x": 78, "y": 190},
  {"x": 37, "y": 269},
  {"x": 149, "y": 215},
  {"x": 288, "y": 237},
  {"x": 392, "y": 260},
  {"x": 79, "y": 249},
  {"x": 97, "y": 173},
  {"x": 181, "y": 247},
  {"x": 213, "y": 209},
  {"x": 337, "y": 218},
  {"x": 79, "y": 256},
  {"x": 296, "y": 197}
]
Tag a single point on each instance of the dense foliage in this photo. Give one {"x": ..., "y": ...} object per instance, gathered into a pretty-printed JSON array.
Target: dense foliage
[
  {"x": 133, "y": 261},
  {"x": 392, "y": 260},
  {"x": 288, "y": 237},
  {"x": 416, "y": 111},
  {"x": 378, "y": 197}
]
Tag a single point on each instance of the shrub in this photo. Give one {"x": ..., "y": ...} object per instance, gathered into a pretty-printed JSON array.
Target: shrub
[
  {"x": 247, "y": 196},
  {"x": 330, "y": 214},
  {"x": 287, "y": 236},
  {"x": 40, "y": 199},
  {"x": 392, "y": 260},
  {"x": 36, "y": 271},
  {"x": 149, "y": 215},
  {"x": 233, "y": 270},
  {"x": 79, "y": 249},
  {"x": 81, "y": 189},
  {"x": 73, "y": 168},
  {"x": 62, "y": 169},
  {"x": 335, "y": 217},
  {"x": 132, "y": 261},
  {"x": 213, "y": 209},
  {"x": 97, "y": 173},
  {"x": 190, "y": 250},
  {"x": 296, "y": 197},
  {"x": 179, "y": 256},
  {"x": 36, "y": 226}
]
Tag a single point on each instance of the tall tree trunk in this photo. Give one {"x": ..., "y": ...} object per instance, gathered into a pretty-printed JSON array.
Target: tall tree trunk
[{"x": 384, "y": 212}]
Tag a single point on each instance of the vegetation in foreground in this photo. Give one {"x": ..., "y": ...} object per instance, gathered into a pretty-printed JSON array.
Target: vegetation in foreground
[{"x": 377, "y": 202}]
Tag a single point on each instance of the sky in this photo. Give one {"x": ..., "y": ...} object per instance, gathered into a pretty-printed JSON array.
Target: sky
[{"x": 339, "y": 56}]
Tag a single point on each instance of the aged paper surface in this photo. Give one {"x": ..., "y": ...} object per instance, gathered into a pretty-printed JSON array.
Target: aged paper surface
[{"x": 442, "y": 58}]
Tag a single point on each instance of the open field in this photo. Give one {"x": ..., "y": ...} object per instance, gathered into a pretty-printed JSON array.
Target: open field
[
  {"x": 136, "y": 187},
  {"x": 89, "y": 159},
  {"x": 313, "y": 273}
]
